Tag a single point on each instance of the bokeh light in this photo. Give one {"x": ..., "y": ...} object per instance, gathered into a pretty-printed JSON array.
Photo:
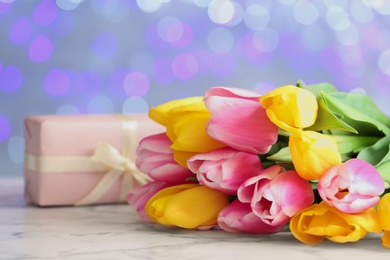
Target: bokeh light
[
  {"x": 184, "y": 66},
  {"x": 89, "y": 83},
  {"x": 16, "y": 149},
  {"x": 225, "y": 12},
  {"x": 20, "y": 31},
  {"x": 11, "y": 78},
  {"x": 149, "y": 6},
  {"x": 136, "y": 84},
  {"x": 45, "y": 12},
  {"x": 175, "y": 32},
  {"x": 100, "y": 105},
  {"x": 40, "y": 49},
  {"x": 256, "y": 17},
  {"x": 56, "y": 82},
  {"x": 68, "y": 4},
  {"x": 68, "y": 110},
  {"x": 305, "y": 12},
  {"x": 5, "y": 7},
  {"x": 220, "y": 40},
  {"x": 384, "y": 62},
  {"x": 135, "y": 105},
  {"x": 5, "y": 128}
]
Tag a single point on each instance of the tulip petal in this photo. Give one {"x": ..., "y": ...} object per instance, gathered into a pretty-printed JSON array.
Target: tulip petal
[
  {"x": 250, "y": 130},
  {"x": 238, "y": 217},
  {"x": 386, "y": 239},
  {"x": 160, "y": 113},
  {"x": 232, "y": 92}
]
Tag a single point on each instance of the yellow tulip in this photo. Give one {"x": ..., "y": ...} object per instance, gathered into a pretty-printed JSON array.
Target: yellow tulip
[
  {"x": 384, "y": 218},
  {"x": 160, "y": 113},
  {"x": 186, "y": 205},
  {"x": 186, "y": 120},
  {"x": 313, "y": 153},
  {"x": 290, "y": 107},
  {"x": 320, "y": 221}
]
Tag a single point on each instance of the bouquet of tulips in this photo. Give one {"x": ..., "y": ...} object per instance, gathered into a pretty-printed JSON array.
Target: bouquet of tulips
[{"x": 304, "y": 157}]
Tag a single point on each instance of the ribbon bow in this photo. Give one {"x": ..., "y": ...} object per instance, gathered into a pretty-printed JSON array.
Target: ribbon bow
[{"x": 117, "y": 165}]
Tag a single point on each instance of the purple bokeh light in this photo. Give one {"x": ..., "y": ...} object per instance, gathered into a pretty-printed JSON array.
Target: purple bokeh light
[
  {"x": 5, "y": 128},
  {"x": 136, "y": 84},
  {"x": 185, "y": 66},
  {"x": 11, "y": 79},
  {"x": 175, "y": 32},
  {"x": 56, "y": 82},
  {"x": 89, "y": 82},
  {"x": 185, "y": 38},
  {"x": 105, "y": 45},
  {"x": 162, "y": 72},
  {"x": 247, "y": 48},
  {"x": 5, "y": 7},
  {"x": 40, "y": 49},
  {"x": 20, "y": 31},
  {"x": 45, "y": 13}
]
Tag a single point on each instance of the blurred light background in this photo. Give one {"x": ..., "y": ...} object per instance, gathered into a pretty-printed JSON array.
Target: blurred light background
[{"x": 124, "y": 56}]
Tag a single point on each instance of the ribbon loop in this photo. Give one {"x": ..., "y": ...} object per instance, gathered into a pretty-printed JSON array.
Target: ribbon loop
[{"x": 118, "y": 166}]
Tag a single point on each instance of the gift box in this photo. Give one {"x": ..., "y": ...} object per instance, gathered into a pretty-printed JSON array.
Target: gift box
[{"x": 83, "y": 159}]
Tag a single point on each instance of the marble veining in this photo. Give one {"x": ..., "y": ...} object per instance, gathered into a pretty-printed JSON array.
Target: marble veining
[{"x": 115, "y": 232}]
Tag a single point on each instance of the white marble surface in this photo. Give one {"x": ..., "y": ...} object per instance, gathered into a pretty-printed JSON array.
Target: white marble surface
[{"x": 114, "y": 232}]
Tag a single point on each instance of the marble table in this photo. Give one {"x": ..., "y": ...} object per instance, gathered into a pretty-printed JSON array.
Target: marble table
[{"x": 115, "y": 232}]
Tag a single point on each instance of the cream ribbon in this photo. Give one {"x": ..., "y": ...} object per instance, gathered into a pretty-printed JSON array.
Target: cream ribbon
[{"x": 105, "y": 159}]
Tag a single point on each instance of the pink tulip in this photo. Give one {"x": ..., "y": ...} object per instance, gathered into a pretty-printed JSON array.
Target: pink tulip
[
  {"x": 238, "y": 217},
  {"x": 224, "y": 169},
  {"x": 155, "y": 158},
  {"x": 139, "y": 196},
  {"x": 351, "y": 187},
  {"x": 276, "y": 195},
  {"x": 239, "y": 121}
]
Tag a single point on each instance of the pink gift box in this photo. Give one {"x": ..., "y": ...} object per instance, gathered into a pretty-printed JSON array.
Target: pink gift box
[{"x": 63, "y": 164}]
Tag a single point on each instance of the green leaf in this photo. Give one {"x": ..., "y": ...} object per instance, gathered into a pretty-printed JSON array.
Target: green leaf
[
  {"x": 358, "y": 111},
  {"x": 354, "y": 143},
  {"x": 379, "y": 156},
  {"x": 328, "y": 120},
  {"x": 316, "y": 89},
  {"x": 283, "y": 155},
  {"x": 384, "y": 170},
  {"x": 375, "y": 153}
]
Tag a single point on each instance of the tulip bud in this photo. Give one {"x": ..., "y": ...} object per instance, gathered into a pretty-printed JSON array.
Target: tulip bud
[
  {"x": 186, "y": 120},
  {"x": 225, "y": 169},
  {"x": 139, "y": 196},
  {"x": 290, "y": 107},
  {"x": 187, "y": 206},
  {"x": 250, "y": 130},
  {"x": 239, "y": 217},
  {"x": 351, "y": 187},
  {"x": 319, "y": 221},
  {"x": 155, "y": 158},
  {"x": 313, "y": 153}
]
